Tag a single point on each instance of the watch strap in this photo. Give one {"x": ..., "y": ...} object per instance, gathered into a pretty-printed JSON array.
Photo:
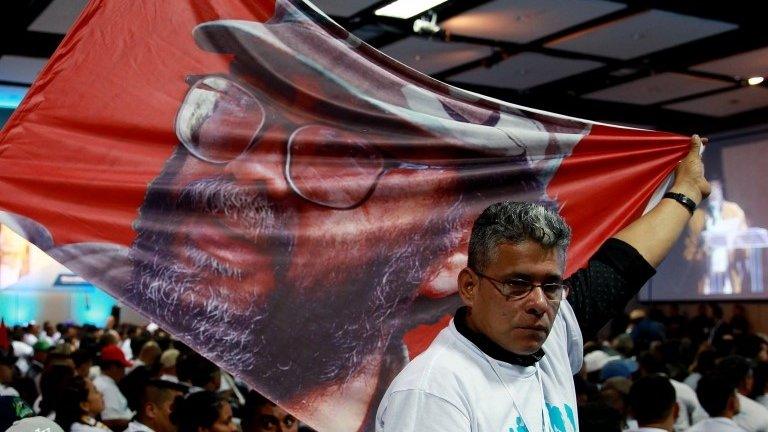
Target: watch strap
[{"x": 685, "y": 201}]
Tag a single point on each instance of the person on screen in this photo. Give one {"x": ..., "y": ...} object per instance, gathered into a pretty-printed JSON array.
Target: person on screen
[{"x": 708, "y": 230}]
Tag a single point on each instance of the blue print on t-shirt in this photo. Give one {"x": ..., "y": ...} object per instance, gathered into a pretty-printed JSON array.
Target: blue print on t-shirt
[
  {"x": 520, "y": 426},
  {"x": 556, "y": 418},
  {"x": 571, "y": 417}
]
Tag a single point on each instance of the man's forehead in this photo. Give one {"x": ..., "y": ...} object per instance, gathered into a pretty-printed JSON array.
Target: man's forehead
[{"x": 527, "y": 256}]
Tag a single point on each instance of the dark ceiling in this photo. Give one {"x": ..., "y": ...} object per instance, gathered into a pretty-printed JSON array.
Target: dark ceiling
[{"x": 671, "y": 65}]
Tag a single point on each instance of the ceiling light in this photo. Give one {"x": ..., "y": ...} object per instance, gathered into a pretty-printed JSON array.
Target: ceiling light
[
  {"x": 405, "y": 9},
  {"x": 755, "y": 80}
]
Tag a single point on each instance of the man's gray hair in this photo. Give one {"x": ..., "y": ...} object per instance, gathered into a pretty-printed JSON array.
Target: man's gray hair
[{"x": 516, "y": 222}]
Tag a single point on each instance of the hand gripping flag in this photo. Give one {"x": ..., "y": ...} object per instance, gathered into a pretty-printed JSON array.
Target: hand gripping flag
[{"x": 287, "y": 200}]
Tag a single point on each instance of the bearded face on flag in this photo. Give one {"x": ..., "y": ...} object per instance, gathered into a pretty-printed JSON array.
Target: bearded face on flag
[{"x": 301, "y": 213}]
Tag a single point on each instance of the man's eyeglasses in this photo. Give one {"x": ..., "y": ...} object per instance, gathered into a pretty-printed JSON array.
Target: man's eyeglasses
[
  {"x": 220, "y": 119},
  {"x": 516, "y": 289}
]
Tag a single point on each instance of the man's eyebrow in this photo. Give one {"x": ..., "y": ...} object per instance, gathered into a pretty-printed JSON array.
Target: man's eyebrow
[{"x": 552, "y": 277}]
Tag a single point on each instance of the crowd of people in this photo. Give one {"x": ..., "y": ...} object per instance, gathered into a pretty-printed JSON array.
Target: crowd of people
[
  {"x": 662, "y": 370},
  {"x": 653, "y": 368},
  {"x": 123, "y": 378}
]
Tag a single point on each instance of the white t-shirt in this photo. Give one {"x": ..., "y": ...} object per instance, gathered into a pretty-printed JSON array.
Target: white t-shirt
[
  {"x": 753, "y": 417},
  {"x": 8, "y": 391},
  {"x": 115, "y": 404},
  {"x": 717, "y": 424},
  {"x": 691, "y": 411},
  {"x": 454, "y": 386}
]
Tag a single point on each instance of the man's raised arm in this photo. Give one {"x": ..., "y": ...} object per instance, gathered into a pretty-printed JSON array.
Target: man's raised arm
[
  {"x": 654, "y": 234},
  {"x": 618, "y": 270}
]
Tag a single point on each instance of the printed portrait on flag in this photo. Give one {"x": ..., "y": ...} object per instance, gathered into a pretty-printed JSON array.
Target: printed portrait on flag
[{"x": 297, "y": 208}]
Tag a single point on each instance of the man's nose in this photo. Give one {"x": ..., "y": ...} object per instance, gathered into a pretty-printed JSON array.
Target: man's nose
[
  {"x": 263, "y": 162},
  {"x": 536, "y": 301}
]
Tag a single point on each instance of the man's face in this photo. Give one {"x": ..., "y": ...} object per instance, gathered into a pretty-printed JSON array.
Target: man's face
[
  {"x": 161, "y": 413},
  {"x": 520, "y": 326}
]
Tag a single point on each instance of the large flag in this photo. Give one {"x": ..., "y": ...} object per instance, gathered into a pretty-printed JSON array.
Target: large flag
[{"x": 284, "y": 198}]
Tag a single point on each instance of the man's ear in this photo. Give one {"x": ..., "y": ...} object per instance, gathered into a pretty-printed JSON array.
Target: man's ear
[
  {"x": 469, "y": 283},
  {"x": 675, "y": 411},
  {"x": 150, "y": 410}
]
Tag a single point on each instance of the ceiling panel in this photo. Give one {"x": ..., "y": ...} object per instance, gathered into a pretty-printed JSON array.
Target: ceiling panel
[
  {"x": 525, "y": 70},
  {"x": 18, "y": 69},
  {"x": 343, "y": 8},
  {"x": 58, "y": 16},
  {"x": 750, "y": 63},
  {"x": 641, "y": 34},
  {"x": 725, "y": 104},
  {"x": 431, "y": 56},
  {"x": 657, "y": 88},
  {"x": 526, "y": 20}
]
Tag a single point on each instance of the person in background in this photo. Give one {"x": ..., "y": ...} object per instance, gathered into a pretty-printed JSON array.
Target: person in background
[
  {"x": 83, "y": 360},
  {"x": 262, "y": 415},
  {"x": 760, "y": 385},
  {"x": 79, "y": 407},
  {"x": 203, "y": 411},
  {"x": 116, "y": 413},
  {"x": 168, "y": 365},
  {"x": 752, "y": 416},
  {"x": 717, "y": 395},
  {"x": 703, "y": 364},
  {"x": 155, "y": 405},
  {"x": 149, "y": 354},
  {"x": 652, "y": 403},
  {"x": 7, "y": 362},
  {"x": 690, "y": 410},
  {"x": 52, "y": 382}
]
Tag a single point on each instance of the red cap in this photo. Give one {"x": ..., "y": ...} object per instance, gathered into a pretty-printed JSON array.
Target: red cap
[{"x": 115, "y": 354}]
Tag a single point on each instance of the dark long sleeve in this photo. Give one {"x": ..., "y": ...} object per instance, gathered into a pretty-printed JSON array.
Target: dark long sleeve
[{"x": 601, "y": 290}]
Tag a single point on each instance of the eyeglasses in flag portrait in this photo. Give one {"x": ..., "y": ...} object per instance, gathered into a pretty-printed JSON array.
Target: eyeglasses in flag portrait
[{"x": 287, "y": 200}]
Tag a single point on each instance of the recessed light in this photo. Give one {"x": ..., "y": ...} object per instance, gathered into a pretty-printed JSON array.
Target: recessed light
[{"x": 755, "y": 80}]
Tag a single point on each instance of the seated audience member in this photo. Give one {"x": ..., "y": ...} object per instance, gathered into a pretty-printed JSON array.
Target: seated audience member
[
  {"x": 83, "y": 360},
  {"x": 168, "y": 365},
  {"x": 653, "y": 404},
  {"x": 261, "y": 415},
  {"x": 116, "y": 413},
  {"x": 12, "y": 409},
  {"x": 78, "y": 407},
  {"x": 38, "y": 361},
  {"x": 760, "y": 384},
  {"x": 717, "y": 395},
  {"x": 52, "y": 382},
  {"x": 203, "y": 411},
  {"x": 7, "y": 363},
  {"x": 703, "y": 364},
  {"x": 752, "y": 416},
  {"x": 614, "y": 393},
  {"x": 688, "y": 404},
  {"x": 155, "y": 404},
  {"x": 644, "y": 330},
  {"x": 149, "y": 354},
  {"x": 205, "y": 375},
  {"x": 598, "y": 417}
]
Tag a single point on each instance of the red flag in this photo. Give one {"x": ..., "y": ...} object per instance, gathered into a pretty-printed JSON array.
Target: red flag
[
  {"x": 5, "y": 341},
  {"x": 284, "y": 198}
]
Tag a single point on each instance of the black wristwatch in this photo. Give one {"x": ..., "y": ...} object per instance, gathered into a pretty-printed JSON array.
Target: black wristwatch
[{"x": 683, "y": 200}]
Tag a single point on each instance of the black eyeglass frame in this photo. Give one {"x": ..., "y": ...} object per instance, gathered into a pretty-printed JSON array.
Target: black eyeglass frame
[{"x": 563, "y": 287}]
